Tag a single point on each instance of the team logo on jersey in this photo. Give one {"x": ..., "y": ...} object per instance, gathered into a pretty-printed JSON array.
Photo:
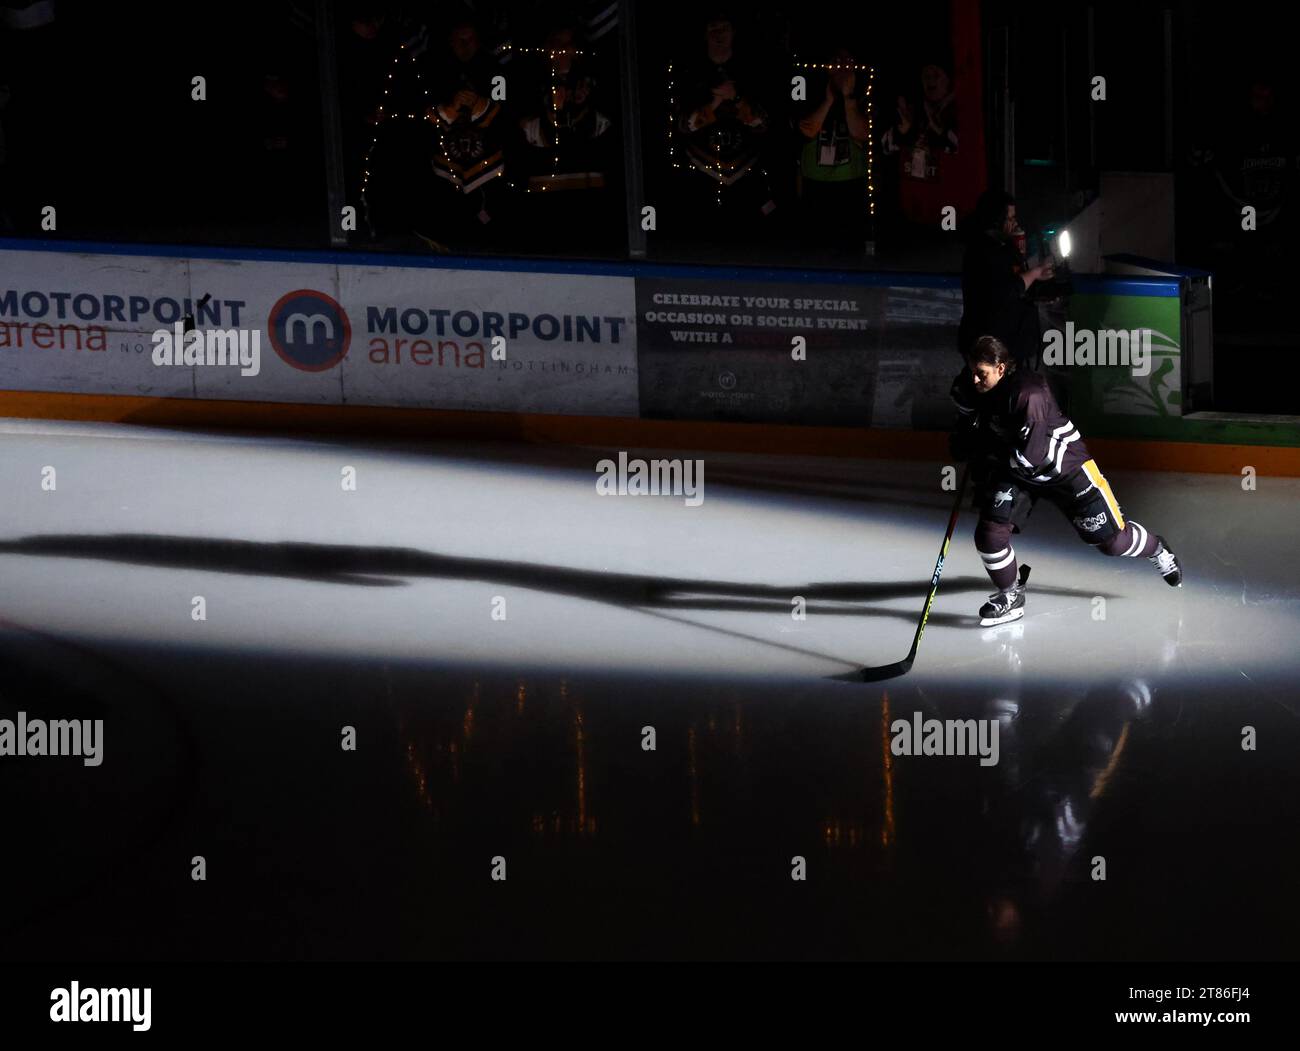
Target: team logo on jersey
[
  {"x": 465, "y": 144},
  {"x": 1000, "y": 498},
  {"x": 1092, "y": 523}
]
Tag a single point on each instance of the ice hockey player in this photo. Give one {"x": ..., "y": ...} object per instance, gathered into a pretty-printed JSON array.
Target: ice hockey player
[{"x": 1022, "y": 448}]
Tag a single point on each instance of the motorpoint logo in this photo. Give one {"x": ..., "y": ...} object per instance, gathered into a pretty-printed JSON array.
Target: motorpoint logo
[{"x": 309, "y": 330}]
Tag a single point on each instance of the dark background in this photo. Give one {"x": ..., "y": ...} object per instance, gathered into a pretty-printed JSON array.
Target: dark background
[{"x": 97, "y": 119}]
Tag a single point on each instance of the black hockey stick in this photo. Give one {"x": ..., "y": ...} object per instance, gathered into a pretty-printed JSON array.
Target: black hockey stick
[{"x": 890, "y": 671}]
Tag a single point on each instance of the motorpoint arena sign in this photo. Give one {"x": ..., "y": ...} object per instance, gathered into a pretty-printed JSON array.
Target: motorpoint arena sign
[
  {"x": 309, "y": 330},
  {"x": 425, "y": 337}
]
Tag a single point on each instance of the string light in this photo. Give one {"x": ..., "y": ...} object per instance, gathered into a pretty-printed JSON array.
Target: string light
[
  {"x": 672, "y": 110},
  {"x": 551, "y": 53},
  {"x": 555, "y": 114},
  {"x": 823, "y": 66},
  {"x": 871, "y": 143},
  {"x": 832, "y": 65},
  {"x": 382, "y": 118}
]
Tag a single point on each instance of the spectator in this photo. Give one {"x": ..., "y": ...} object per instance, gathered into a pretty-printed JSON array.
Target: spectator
[
  {"x": 469, "y": 199},
  {"x": 996, "y": 280},
  {"x": 1255, "y": 164},
  {"x": 723, "y": 126},
  {"x": 833, "y": 157},
  {"x": 924, "y": 139},
  {"x": 925, "y": 131},
  {"x": 568, "y": 140},
  {"x": 1260, "y": 150}
]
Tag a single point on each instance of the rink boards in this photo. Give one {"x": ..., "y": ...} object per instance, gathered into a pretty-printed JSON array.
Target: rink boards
[{"x": 623, "y": 340}]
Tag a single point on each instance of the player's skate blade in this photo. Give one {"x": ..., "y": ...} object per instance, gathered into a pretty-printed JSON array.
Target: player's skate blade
[
  {"x": 1167, "y": 562},
  {"x": 1003, "y": 607}
]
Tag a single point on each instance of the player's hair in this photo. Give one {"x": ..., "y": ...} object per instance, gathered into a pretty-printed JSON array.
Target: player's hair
[{"x": 989, "y": 350}]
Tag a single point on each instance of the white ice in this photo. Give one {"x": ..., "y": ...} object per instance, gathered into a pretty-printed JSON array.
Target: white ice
[{"x": 526, "y": 524}]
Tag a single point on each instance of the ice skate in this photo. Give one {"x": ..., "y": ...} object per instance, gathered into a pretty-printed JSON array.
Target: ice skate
[
  {"x": 1003, "y": 607},
  {"x": 1167, "y": 562}
]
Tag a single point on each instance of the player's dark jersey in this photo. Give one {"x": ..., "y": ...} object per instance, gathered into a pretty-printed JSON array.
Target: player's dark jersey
[{"x": 1020, "y": 422}]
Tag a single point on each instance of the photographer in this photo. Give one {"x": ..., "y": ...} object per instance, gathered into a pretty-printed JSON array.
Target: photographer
[{"x": 996, "y": 281}]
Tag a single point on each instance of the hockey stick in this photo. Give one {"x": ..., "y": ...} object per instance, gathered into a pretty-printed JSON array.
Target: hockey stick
[{"x": 890, "y": 671}]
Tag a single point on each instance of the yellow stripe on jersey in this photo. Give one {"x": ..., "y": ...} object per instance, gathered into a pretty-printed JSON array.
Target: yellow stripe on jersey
[{"x": 1099, "y": 480}]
